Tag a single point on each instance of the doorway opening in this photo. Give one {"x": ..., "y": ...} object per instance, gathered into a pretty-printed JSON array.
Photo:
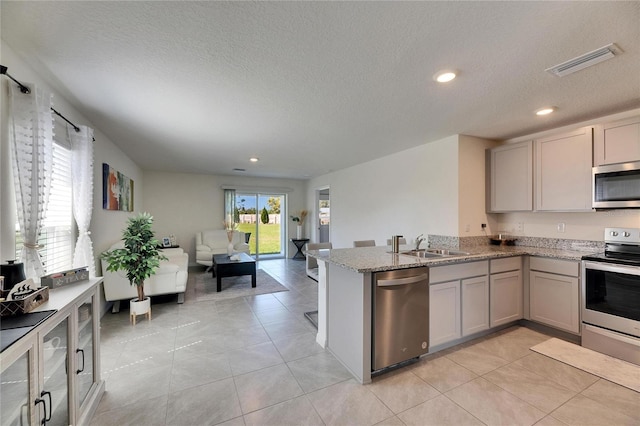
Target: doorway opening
[
  {"x": 259, "y": 216},
  {"x": 323, "y": 206}
]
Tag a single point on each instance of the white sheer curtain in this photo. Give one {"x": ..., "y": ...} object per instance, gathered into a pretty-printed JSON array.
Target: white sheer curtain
[
  {"x": 31, "y": 143},
  {"x": 82, "y": 178},
  {"x": 229, "y": 204}
]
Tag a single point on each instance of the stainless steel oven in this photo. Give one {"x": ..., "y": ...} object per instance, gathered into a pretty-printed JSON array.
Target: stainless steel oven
[
  {"x": 616, "y": 186},
  {"x": 611, "y": 296}
]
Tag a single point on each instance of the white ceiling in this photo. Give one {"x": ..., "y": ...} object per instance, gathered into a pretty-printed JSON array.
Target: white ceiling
[{"x": 310, "y": 87}]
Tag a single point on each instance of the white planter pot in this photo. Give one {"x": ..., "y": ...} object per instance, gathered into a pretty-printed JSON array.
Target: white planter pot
[
  {"x": 299, "y": 232},
  {"x": 139, "y": 308}
]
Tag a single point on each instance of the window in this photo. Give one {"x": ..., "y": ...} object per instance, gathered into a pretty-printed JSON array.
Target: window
[{"x": 56, "y": 237}]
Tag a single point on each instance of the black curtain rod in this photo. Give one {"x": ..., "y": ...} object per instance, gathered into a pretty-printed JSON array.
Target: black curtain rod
[
  {"x": 25, "y": 89},
  {"x": 76, "y": 128}
]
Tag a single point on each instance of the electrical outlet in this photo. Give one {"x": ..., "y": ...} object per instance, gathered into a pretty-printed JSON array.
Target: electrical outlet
[
  {"x": 520, "y": 227},
  {"x": 483, "y": 225},
  {"x": 560, "y": 227},
  {"x": 467, "y": 228}
]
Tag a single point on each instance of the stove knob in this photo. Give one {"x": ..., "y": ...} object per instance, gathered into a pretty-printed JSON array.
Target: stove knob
[
  {"x": 614, "y": 233},
  {"x": 626, "y": 234}
]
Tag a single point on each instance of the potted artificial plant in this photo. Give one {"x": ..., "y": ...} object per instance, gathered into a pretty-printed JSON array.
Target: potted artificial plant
[
  {"x": 139, "y": 258},
  {"x": 299, "y": 219}
]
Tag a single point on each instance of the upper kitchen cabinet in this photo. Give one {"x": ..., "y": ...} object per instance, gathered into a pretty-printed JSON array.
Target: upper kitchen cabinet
[
  {"x": 510, "y": 176},
  {"x": 617, "y": 142},
  {"x": 563, "y": 171}
]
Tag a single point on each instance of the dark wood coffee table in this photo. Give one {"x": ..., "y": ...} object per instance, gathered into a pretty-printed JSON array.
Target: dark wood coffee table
[{"x": 223, "y": 267}]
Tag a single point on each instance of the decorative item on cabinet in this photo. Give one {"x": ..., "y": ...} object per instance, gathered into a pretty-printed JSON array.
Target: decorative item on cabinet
[{"x": 13, "y": 273}]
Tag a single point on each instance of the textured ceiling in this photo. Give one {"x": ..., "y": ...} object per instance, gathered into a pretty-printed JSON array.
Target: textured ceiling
[{"x": 310, "y": 87}]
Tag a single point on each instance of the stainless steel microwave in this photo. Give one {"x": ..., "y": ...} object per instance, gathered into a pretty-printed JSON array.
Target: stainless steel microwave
[{"x": 616, "y": 186}]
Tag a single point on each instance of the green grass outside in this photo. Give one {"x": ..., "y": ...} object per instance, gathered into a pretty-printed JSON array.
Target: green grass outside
[{"x": 269, "y": 237}]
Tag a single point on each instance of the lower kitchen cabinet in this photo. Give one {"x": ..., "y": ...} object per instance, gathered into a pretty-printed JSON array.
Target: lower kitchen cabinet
[
  {"x": 444, "y": 312},
  {"x": 458, "y": 301},
  {"x": 51, "y": 375},
  {"x": 554, "y": 293},
  {"x": 475, "y": 305},
  {"x": 505, "y": 295}
]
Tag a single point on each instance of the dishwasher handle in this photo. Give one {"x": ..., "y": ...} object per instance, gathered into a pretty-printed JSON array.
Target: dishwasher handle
[{"x": 402, "y": 281}]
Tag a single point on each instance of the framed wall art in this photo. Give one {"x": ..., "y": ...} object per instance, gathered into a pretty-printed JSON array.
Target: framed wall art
[{"x": 117, "y": 190}]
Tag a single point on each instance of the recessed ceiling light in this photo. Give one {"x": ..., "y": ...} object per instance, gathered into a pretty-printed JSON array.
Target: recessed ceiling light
[
  {"x": 546, "y": 110},
  {"x": 254, "y": 159},
  {"x": 444, "y": 76}
]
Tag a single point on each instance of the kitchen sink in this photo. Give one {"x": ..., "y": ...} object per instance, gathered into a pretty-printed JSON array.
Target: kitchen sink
[
  {"x": 421, "y": 253},
  {"x": 428, "y": 253},
  {"x": 447, "y": 252}
]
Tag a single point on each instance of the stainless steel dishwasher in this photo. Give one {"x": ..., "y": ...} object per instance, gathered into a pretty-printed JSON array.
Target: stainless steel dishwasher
[{"x": 400, "y": 316}]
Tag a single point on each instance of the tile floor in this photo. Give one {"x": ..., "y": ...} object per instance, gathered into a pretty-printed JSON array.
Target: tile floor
[{"x": 254, "y": 361}]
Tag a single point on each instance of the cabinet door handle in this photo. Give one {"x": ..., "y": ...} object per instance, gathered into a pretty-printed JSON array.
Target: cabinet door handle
[
  {"x": 47, "y": 418},
  {"x": 82, "y": 369},
  {"x": 44, "y": 405}
]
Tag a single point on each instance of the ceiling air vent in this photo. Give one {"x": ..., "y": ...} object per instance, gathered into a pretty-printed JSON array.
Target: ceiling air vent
[
  {"x": 236, "y": 169},
  {"x": 584, "y": 61}
]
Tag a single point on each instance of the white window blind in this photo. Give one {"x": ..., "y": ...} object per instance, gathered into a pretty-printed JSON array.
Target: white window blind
[{"x": 56, "y": 239}]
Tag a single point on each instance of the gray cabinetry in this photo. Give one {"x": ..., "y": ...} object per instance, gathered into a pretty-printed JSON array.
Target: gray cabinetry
[
  {"x": 548, "y": 174},
  {"x": 617, "y": 142},
  {"x": 563, "y": 171},
  {"x": 510, "y": 178},
  {"x": 458, "y": 301},
  {"x": 505, "y": 291},
  {"x": 444, "y": 312},
  {"x": 554, "y": 293},
  {"x": 475, "y": 305}
]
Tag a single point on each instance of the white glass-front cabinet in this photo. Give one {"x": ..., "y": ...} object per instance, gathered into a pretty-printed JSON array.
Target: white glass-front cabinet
[
  {"x": 87, "y": 358},
  {"x": 51, "y": 375},
  {"x": 17, "y": 378},
  {"x": 52, "y": 397}
]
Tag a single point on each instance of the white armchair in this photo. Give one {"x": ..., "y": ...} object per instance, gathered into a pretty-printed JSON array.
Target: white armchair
[
  {"x": 170, "y": 278},
  {"x": 312, "y": 263},
  {"x": 215, "y": 241}
]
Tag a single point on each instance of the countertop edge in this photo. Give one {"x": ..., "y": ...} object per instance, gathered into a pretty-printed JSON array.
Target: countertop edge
[{"x": 378, "y": 259}]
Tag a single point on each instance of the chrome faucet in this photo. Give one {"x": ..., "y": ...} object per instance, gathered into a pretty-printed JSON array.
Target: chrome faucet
[{"x": 419, "y": 240}]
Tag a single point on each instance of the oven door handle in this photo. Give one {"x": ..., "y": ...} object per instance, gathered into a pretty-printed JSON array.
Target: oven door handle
[{"x": 611, "y": 267}]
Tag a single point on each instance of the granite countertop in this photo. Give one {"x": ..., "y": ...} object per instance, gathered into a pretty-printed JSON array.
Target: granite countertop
[{"x": 375, "y": 259}]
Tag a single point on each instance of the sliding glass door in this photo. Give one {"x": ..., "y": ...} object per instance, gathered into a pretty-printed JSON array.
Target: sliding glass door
[{"x": 260, "y": 215}]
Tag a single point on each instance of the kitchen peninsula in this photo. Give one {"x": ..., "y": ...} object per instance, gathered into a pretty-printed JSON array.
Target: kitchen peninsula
[{"x": 345, "y": 295}]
